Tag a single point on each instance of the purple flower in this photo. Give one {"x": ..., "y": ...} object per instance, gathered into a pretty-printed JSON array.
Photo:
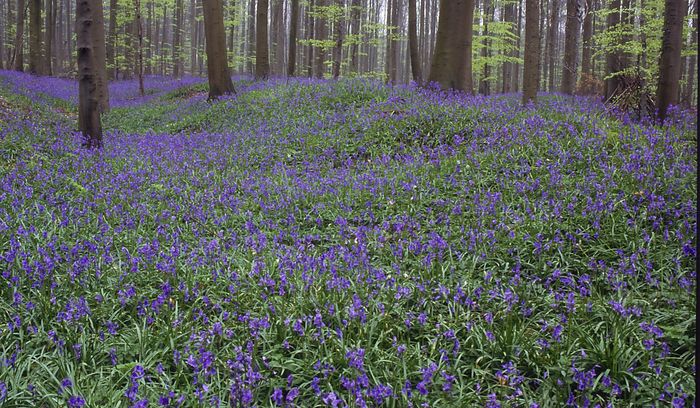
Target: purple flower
[{"x": 76, "y": 401}]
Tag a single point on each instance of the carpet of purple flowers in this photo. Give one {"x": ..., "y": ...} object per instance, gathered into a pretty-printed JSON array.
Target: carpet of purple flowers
[{"x": 343, "y": 244}]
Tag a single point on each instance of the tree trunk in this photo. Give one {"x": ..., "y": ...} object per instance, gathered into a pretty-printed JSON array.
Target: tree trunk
[
  {"x": 516, "y": 68},
  {"x": 311, "y": 34},
  {"x": 193, "y": 36},
  {"x": 262, "y": 57},
  {"x": 148, "y": 69},
  {"x": 616, "y": 61},
  {"x": 320, "y": 52},
  {"x": 532, "y": 52},
  {"x": 670, "y": 61},
  {"x": 49, "y": 29},
  {"x": 177, "y": 46},
  {"x": 278, "y": 36},
  {"x": 88, "y": 98},
  {"x": 507, "y": 69},
  {"x": 484, "y": 85},
  {"x": 35, "y": 37},
  {"x": 112, "y": 39},
  {"x": 413, "y": 42},
  {"x": 338, "y": 48},
  {"x": 691, "y": 64},
  {"x": 452, "y": 60},
  {"x": 217, "y": 68},
  {"x": 552, "y": 42},
  {"x": 355, "y": 11},
  {"x": 99, "y": 53},
  {"x": 587, "y": 38},
  {"x": 568, "y": 79},
  {"x": 294, "y": 22},
  {"x": 139, "y": 34}
]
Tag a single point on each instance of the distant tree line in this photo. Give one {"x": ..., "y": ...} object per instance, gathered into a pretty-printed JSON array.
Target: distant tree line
[{"x": 624, "y": 50}]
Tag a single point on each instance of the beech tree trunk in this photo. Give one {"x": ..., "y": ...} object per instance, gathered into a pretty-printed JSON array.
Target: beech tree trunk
[
  {"x": 49, "y": 30},
  {"x": 112, "y": 39},
  {"x": 531, "y": 73},
  {"x": 98, "y": 38},
  {"x": 293, "y": 24},
  {"x": 413, "y": 42},
  {"x": 319, "y": 52},
  {"x": 615, "y": 61},
  {"x": 177, "y": 40},
  {"x": 691, "y": 64},
  {"x": 35, "y": 37},
  {"x": 587, "y": 38},
  {"x": 552, "y": 42},
  {"x": 88, "y": 98},
  {"x": 508, "y": 17},
  {"x": 338, "y": 48},
  {"x": 217, "y": 67},
  {"x": 568, "y": 79},
  {"x": 262, "y": 57},
  {"x": 670, "y": 61},
  {"x": 139, "y": 34},
  {"x": 452, "y": 59},
  {"x": 355, "y": 10}
]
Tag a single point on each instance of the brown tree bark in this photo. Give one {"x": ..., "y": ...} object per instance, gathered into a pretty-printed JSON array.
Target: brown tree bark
[
  {"x": 320, "y": 52},
  {"x": 217, "y": 68},
  {"x": 573, "y": 24},
  {"x": 88, "y": 98},
  {"x": 670, "y": 61},
  {"x": 615, "y": 61},
  {"x": 531, "y": 74},
  {"x": 552, "y": 42},
  {"x": 413, "y": 43},
  {"x": 294, "y": 23},
  {"x": 355, "y": 12},
  {"x": 251, "y": 36},
  {"x": 586, "y": 53},
  {"x": 277, "y": 34},
  {"x": 452, "y": 60},
  {"x": 35, "y": 37},
  {"x": 262, "y": 57},
  {"x": 139, "y": 34},
  {"x": 99, "y": 52},
  {"x": 177, "y": 40},
  {"x": 49, "y": 30},
  {"x": 338, "y": 48}
]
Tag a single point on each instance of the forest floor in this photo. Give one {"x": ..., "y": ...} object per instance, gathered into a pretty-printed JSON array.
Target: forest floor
[{"x": 317, "y": 243}]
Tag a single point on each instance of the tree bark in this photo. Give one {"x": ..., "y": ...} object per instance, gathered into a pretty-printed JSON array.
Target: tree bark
[
  {"x": 691, "y": 64},
  {"x": 262, "y": 57},
  {"x": 532, "y": 52},
  {"x": 587, "y": 38},
  {"x": 293, "y": 24},
  {"x": 552, "y": 42},
  {"x": 88, "y": 98},
  {"x": 508, "y": 17},
  {"x": 355, "y": 12},
  {"x": 35, "y": 37},
  {"x": 452, "y": 60},
  {"x": 139, "y": 34},
  {"x": 573, "y": 24},
  {"x": 338, "y": 48},
  {"x": 319, "y": 52},
  {"x": 615, "y": 61},
  {"x": 484, "y": 85},
  {"x": 217, "y": 67},
  {"x": 49, "y": 29},
  {"x": 277, "y": 47},
  {"x": 413, "y": 43},
  {"x": 670, "y": 61},
  {"x": 177, "y": 40}
]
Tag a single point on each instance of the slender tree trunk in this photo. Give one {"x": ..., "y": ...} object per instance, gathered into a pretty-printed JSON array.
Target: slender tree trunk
[
  {"x": 615, "y": 61},
  {"x": 320, "y": 52},
  {"x": 49, "y": 28},
  {"x": 532, "y": 52},
  {"x": 413, "y": 43},
  {"x": 670, "y": 61},
  {"x": 355, "y": 12},
  {"x": 99, "y": 53},
  {"x": 311, "y": 34},
  {"x": 552, "y": 41},
  {"x": 148, "y": 68},
  {"x": 293, "y": 24},
  {"x": 691, "y": 64},
  {"x": 112, "y": 39},
  {"x": 193, "y": 36},
  {"x": 88, "y": 98},
  {"x": 177, "y": 46},
  {"x": 35, "y": 37},
  {"x": 587, "y": 38},
  {"x": 516, "y": 68},
  {"x": 484, "y": 86},
  {"x": 338, "y": 48},
  {"x": 507, "y": 69},
  {"x": 262, "y": 58},
  {"x": 278, "y": 36},
  {"x": 251, "y": 37},
  {"x": 573, "y": 24},
  {"x": 139, "y": 33},
  {"x": 452, "y": 60}
]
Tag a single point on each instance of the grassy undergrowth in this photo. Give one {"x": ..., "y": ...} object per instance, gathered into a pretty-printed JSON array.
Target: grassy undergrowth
[{"x": 306, "y": 243}]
